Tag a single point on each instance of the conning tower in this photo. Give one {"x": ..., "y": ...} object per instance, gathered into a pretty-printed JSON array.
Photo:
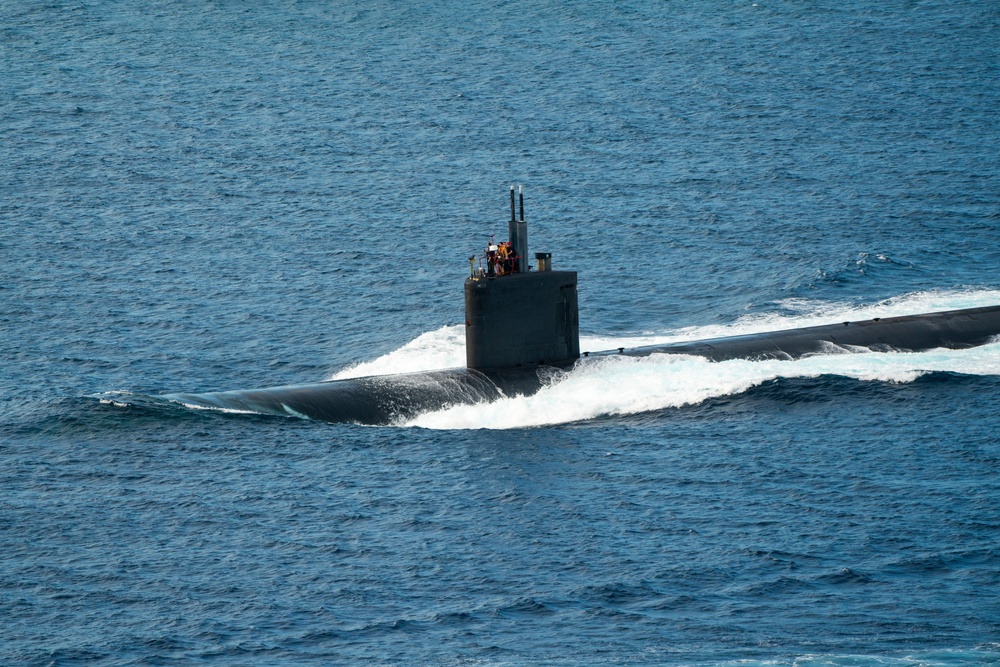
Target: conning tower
[{"x": 516, "y": 317}]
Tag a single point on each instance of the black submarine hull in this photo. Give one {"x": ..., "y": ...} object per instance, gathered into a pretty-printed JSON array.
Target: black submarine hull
[
  {"x": 377, "y": 400},
  {"x": 394, "y": 399},
  {"x": 953, "y": 329}
]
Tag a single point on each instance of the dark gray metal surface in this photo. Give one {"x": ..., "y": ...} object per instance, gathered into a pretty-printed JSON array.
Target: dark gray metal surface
[
  {"x": 954, "y": 329},
  {"x": 522, "y": 320}
]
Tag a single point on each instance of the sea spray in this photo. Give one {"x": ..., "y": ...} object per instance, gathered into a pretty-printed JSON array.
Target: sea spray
[{"x": 629, "y": 385}]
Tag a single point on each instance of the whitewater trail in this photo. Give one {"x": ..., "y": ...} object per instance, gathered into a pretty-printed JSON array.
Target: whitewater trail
[{"x": 627, "y": 385}]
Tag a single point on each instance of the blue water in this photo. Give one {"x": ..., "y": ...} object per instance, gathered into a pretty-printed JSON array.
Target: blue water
[{"x": 207, "y": 196}]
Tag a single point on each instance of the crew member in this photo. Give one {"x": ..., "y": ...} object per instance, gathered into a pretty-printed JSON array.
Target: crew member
[
  {"x": 502, "y": 267},
  {"x": 491, "y": 258}
]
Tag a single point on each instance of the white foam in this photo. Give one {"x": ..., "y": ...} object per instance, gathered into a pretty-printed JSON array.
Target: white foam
[
  {"x": 442, "y": 348},
  {"x": 117, "y": 404},
  {"x": 111, "y": 398},
  {"x": 621, "y": 385},
  {"x": 215, "y": 408},
  {"x": 626, "y": 385}
]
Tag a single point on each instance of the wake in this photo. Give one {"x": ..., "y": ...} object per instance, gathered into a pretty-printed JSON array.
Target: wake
[{"x": 616, "y": 385}]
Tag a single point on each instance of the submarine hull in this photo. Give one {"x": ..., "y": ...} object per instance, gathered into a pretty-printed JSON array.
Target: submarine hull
[
  {"x": 377, "y": 400},
  {"x": 954, "y": 329},
  {"x": 394, "y": 399}
]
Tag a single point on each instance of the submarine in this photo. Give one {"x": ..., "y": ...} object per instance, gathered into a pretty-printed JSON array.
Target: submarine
[{"x": 523, "y": 321}]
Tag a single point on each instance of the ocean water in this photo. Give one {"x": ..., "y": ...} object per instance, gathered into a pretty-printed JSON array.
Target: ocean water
[{"x": 223, "y": 195}]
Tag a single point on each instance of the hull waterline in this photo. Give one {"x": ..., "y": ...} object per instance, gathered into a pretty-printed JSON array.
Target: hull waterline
[{"x": 393, "y": 399}]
